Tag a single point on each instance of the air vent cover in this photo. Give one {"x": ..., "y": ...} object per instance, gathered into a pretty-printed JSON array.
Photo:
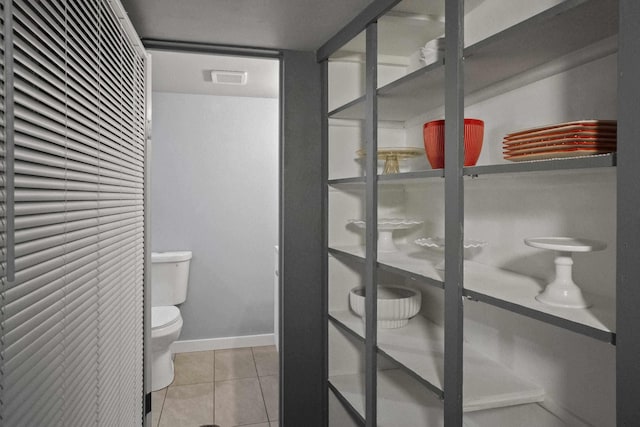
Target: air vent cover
[{"x": 229, "y": 77}]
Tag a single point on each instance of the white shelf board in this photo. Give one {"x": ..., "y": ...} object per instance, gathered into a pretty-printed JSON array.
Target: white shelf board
[
  {"x": 402, "y": 402},
  {"x": 532, "y": 415},
  {"x": 505, "y": 289},
  {"x": 522, "y": 290},
  {"x": 403, "y": 34},
  {"x": 419, "y": 346},
  {"x": 410, "y": 258}
]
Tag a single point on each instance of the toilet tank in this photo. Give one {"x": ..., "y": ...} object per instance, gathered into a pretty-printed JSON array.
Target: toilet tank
[{"x": 169, "y": 277}]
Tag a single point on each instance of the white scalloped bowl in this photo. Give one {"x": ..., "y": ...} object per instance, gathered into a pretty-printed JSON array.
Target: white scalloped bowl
[{"x": 396, "y": 305}]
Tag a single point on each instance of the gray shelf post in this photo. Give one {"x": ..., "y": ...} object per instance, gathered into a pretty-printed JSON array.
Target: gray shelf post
[
  {"x": 371, "y": 207},
  {"x": 325, "y": 231},
  {"x": 454, "y": 212},
  {"x": 303, "y": 314},
  {"x": 628, "y": 219}
]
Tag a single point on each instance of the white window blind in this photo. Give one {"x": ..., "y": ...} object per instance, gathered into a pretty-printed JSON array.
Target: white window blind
[{"x": 72, "y": 230}]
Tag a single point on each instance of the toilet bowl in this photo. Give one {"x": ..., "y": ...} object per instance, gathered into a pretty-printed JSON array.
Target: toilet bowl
[
  {"x": 169, "y": 280},
  {"x": 166, "y": 324}
]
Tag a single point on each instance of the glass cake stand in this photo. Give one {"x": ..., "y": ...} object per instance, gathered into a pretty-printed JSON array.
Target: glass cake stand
[{"x": 392, "y": 157}]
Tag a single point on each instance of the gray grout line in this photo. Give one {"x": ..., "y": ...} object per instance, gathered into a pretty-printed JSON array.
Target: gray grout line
[
  {"x": 214, "y": 386},
  {"x": 260, "y": 384},
  {"x": 214, "y": 365},
  {"x": 162, "y": 405},
  {"x": 258, "y": 373}
]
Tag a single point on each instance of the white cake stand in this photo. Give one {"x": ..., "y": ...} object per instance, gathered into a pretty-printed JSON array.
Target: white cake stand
[
  {"x": 563, "y": 291},
  {"x": 386, "y": 227},
  {"x": 438, "y": 242}
]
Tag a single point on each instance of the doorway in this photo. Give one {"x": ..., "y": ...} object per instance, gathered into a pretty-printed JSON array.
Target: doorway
[{"x": 214, "y": 192}]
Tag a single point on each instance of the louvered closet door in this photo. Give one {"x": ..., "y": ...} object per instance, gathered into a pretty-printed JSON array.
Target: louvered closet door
[{"x": 72, "y": 325}]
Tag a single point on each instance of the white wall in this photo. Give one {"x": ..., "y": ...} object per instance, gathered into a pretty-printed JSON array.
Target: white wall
[{"x": 214, "y": 191}]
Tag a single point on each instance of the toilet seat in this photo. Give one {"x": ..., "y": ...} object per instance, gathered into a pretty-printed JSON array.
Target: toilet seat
[{"x": 164, "y": 316}]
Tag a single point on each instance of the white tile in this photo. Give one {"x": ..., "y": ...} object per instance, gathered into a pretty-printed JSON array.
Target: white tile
[
  {"x": 267, "y": 361},
  {"x": 234, "y": 364},
  {"x": 157, "y": 400},
  {"x": 193, "y": 368},
  {"x": 188, "y": 406},
  {"x": 239, "y": 402}
]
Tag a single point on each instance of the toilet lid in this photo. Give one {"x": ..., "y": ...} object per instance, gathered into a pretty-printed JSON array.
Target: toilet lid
[{"x": 163, "y": 316}]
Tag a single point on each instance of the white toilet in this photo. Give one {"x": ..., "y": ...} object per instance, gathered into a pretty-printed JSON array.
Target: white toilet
[{"x": 169, "y": 280}]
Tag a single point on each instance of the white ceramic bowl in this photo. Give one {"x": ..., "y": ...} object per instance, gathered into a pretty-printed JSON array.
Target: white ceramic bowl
[{"x": 396, "y": 305}]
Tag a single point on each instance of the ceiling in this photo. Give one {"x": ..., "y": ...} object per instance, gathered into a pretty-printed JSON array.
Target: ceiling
[
  {"x": 191, "y": 73},
  {"x": 270, "y": 24},
  {"x": 273, "y": 24},
  {"x": 281, "y": 24}
]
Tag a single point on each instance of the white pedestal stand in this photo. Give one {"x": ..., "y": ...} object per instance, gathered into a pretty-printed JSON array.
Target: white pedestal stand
[
  {"x": 385, "y": 240},
  {"x": 563, "y": 291}
]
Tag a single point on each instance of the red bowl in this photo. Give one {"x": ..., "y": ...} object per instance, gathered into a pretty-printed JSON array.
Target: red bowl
[{"x": 433, "y": 133}]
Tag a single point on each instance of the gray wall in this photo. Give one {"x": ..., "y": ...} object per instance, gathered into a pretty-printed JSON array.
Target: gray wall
[{"x": 214, "y": 191}]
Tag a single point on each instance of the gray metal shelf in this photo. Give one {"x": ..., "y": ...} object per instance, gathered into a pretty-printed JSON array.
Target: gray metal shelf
[
  {"x": 355, "y": 415},
  {"x": 351, "y": 110},
  {"x": 352, "y": 180},
  {"x": 609, "y": 337},
  {"x": 513, "y": 306},
  {"x": 566, "y": 164},
  {"x": 398, "y": 99},
  {"x": 587, "y": 162},
  {"x": 418, "y": 278},
  {"x": 433, "y": 388},
  {"x": 490, "y": 384},
  {"x": 565, "y": 28},
  {"x": 408, "y": 177},
  {"x": 411, "y": 276},
  {"x": 346, "y": 255}
]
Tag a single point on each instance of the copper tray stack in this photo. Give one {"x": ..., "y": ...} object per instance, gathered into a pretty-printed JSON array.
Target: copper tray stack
[{"x": 570, "y": 139}]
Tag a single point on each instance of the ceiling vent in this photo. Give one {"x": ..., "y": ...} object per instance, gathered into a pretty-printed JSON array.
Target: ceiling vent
[{"x": 229, "y": 77}]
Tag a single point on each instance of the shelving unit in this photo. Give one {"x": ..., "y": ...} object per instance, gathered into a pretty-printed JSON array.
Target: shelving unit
[
  {"x": 567, "y": 27},
  {"x": 501, "y": 288},
  {"x": 470, "y": 386}
]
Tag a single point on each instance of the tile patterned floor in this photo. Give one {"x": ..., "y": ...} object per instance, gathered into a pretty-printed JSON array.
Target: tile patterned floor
[{"x": 228, "y": 388}]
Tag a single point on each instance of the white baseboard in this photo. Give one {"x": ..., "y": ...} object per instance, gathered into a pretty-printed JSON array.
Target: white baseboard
[{"x": 187, "y": 346}]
